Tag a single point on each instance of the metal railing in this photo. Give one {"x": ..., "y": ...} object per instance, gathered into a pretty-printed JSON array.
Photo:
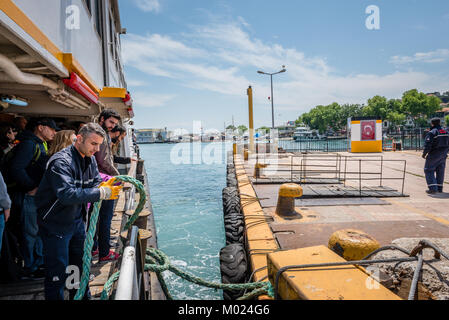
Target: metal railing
[
  {"x": 130, "y": 285},
  {"x": 328, "y": 168},
  {"x": 405, "y": 140},
  {"x": 307, "y": 145}
]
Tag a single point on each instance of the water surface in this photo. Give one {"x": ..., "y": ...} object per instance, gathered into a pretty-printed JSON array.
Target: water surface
[{"x": 188, "y": 213}]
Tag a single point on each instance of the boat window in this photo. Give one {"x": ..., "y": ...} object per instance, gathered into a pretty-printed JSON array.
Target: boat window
[
  {"x": 88, "y": 5},
  {"x": 98, "y": 16},
  {"x": 112, "y": 39}
]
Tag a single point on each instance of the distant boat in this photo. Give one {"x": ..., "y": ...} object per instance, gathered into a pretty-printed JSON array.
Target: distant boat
[{"x": 304, "y": 133}]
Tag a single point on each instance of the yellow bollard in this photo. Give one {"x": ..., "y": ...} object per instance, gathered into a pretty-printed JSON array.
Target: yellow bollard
[
  {"x": 352, "y": 244},
  {"x": 245, "y": 154},
  {"x": 257, "y": 168},
  {"x": 286, "y": 200}
]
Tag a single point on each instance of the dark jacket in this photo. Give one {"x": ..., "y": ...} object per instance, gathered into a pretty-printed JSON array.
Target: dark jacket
[
  {"x": 436, "y": 141},
  {"x": 27, "y": 166},
  {"x": 5, "y": 201},
  {"x": 122, "y": 160},
  {"x": 105, "y": 158},
  {"x": 69, "y": 183}
]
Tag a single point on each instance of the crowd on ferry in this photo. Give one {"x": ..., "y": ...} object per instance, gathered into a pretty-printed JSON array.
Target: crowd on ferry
[{"x": 50, "y": 176}]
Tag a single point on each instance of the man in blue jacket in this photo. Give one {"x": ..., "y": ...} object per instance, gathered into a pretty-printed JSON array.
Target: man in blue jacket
[
  {"x": 70, "y": 182},
  {"x": 435, "y": 152}
]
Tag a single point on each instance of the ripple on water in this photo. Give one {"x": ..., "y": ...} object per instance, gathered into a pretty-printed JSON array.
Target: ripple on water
[{"x": 188, "y": 213}]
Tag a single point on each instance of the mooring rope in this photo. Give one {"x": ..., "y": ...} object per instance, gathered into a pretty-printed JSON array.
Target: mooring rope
[
  {"x": 89, "y": 242},
  {"x": 163, "y": 264},
  {"x": 157, "y": 261}
]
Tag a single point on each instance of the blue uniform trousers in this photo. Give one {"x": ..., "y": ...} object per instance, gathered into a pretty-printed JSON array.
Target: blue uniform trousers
[
  {"x": 61, "y": 251},
  {"x": 434, "y": 169}
]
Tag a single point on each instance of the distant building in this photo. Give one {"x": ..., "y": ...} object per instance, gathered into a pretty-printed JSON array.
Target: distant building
[
  {"x": 410, "y": 121},
  {"x": 443, "y": 97},
  {"x": 286, "y": 130},
  {"x": 151, "y": 135},
  {"x": 444, "y": 105}
]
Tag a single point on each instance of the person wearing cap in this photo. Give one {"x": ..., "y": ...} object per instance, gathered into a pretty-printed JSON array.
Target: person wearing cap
[
  {"x": 24, "y": 173},
  {"x": 435, "y": 152}
]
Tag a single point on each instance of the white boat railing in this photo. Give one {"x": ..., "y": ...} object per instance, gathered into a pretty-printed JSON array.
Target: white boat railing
[{"x": 130, "y": 283}]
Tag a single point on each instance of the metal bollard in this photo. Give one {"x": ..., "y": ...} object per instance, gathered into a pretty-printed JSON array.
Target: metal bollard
[{"x": 286, "y": 200}]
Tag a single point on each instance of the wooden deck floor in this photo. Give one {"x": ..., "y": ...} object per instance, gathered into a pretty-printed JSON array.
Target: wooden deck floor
[{"x": 34, "y": 289}]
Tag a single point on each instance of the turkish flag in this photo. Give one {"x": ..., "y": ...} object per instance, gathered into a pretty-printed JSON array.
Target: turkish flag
[{"x": 368, "y": 129}]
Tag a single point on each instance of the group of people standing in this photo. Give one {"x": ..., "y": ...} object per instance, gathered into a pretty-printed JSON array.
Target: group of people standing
[{"x": 51, "y": 178}]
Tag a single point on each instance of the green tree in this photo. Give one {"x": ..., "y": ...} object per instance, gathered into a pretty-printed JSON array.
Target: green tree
[
  {"x": 242, "y": 129},
  {"x": 231, "y": 127},
  {"x": 349, "y": 111},
  {"x": 264, "y": 130},
  {"x": 377, "y": 107},
  {"x": 419, "y": 104},
  {"x": 396, "y": 118}
]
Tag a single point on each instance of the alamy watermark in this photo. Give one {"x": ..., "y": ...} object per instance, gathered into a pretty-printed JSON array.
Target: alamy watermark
[
  {"x": 73, "y": 21},
  {"x": 372, "y": 282},
  {"x": 372, "y": 22},
  {"x": 195, "y": 152}
]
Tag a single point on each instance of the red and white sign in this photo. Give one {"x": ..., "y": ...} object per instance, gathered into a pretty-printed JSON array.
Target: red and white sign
[{"x": 368, "y": 129}]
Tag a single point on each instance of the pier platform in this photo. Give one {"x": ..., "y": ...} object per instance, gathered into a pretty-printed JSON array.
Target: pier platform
[{"x": 389, "y": 201}]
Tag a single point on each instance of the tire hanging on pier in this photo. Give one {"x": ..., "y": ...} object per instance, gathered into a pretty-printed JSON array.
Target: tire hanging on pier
[
  {"x": 233, "y": 268},
  {"x": 234, "y": 228},
  {"x": 231, "y": 200},
  {"x": 233, "y": 218},
  {"x": 231, "y": 181}
]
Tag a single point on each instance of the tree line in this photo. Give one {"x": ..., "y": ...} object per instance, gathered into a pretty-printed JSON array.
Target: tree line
[{"x": 416, "y": 104}]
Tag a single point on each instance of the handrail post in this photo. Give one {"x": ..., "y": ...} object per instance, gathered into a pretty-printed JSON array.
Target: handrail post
[{"x": 128, "y": 282}]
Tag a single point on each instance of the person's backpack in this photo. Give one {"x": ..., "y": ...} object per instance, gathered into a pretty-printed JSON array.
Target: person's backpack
[
  {"x": 10, "y": 258},
  {"x": 5, "y": 164}
]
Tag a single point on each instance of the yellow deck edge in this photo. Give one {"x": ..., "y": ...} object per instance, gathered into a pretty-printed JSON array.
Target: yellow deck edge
[
  {"x": 260, "y": 239},
  {"x": 323, "y": 283}
]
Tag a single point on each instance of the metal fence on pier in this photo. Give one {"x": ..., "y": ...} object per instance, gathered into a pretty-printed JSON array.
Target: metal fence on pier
[
  {"x": 358, "y": 175},
  {"x": 322, "y": 145},
  {"x": 404, "y": 140}
]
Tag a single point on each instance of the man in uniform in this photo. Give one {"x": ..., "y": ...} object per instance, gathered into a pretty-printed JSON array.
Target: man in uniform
[{"x": 435, "y": 152}]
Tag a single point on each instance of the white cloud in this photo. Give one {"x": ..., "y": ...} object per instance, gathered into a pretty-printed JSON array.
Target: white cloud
[
  {"x": 148, "y": 5},
  {"x": 224, "y": 58},
  {"x": 150, "y": 100},
  {"x": 136, "y": 83},
  {"x": 436, "y": 56}
]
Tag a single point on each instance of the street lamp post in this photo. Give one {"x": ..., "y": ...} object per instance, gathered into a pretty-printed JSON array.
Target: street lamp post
[{"x": 272, "y": 100}]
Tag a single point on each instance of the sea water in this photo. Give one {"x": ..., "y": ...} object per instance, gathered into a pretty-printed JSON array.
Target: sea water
[{"x": 188, "y": 211}]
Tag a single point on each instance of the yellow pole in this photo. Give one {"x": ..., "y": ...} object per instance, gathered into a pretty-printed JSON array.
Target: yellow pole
[{"x": 251, "y": 120}]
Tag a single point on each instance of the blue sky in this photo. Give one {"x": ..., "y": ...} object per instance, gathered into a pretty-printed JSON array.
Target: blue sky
[{"x": 193, "y": 60}]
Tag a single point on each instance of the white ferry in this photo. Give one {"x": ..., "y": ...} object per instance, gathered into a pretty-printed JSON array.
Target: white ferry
[{"x": 303, "y": 133}]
